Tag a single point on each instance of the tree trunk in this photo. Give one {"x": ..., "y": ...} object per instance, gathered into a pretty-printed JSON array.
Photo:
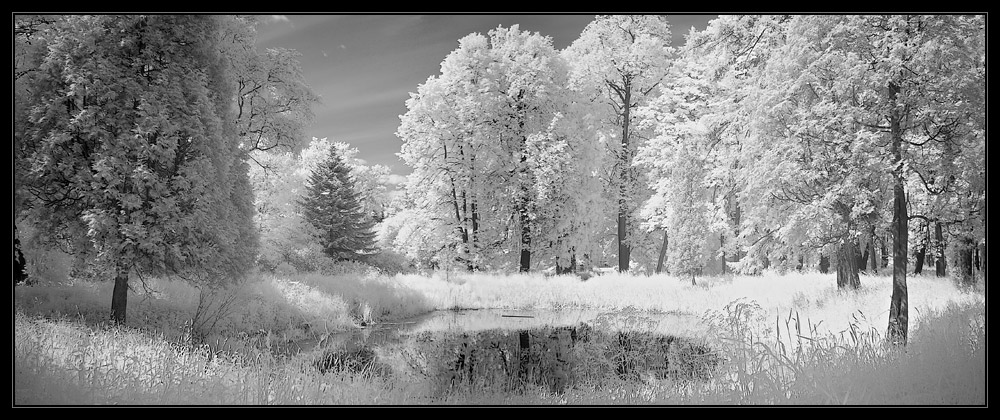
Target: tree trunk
[
  {"x": 663, "y": 253},
  {"x": 522, "y": 209},
  {"x": 19, "y": 262},
  {"x": 965, "y": 254},
  {"x": 475, "y": 233},
  {"x": 525, "y": 263},
  {"x": 824, "y": 264},
  {"x": 921, "y": 255},
  {"x": 941, "y": 264},
  {"x": 624, "y": 251},
  {"x": 119, "y": 295},
  {"x": 459, "y": 220},
  {"x": 871, "y": 250},
  {"x": 847, "y": 265},
  {"x": 722, "y": 243},
  {"x": 885, "y": 255},
  {"x": 863, "y": 253},
  {"x": 899, "y": 303},
  {"x": 692, "y": 280}
]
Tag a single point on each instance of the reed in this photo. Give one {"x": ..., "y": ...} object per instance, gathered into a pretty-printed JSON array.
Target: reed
[{"x": 792, "y": 339}]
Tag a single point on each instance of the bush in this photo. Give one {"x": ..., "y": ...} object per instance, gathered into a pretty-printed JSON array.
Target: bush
[{"x": 390, "y": 262}]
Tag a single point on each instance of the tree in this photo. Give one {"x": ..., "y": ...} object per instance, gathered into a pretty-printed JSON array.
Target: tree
[
  {"x": 131, "y": 140},
  {"x": 688, "y": 227},
  {"x": 856, "y": 107},
  {"x": 618, "y": 61},
  {"x": 917, "y": 84},
  {"x": 279, "y": 182},
  {"x": 471, "y": 135},
  {"x": 273, "y": 101},
  {"x": 332, "y": 206},
  {"x": 675, "y": 159}
]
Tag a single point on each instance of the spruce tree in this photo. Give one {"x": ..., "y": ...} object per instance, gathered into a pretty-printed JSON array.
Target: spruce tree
[{"x": 333, "y": 207}]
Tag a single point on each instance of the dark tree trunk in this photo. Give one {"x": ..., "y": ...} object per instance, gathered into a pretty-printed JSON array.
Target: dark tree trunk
[
  {"x": 899, "y": 302},
  {"x": 663, "y": 253},
  {"x": 459, "y": 220},
  {"x": 871, "y": 250},
  {"x": 847, "y": 266},
  {"x": 19, "y": 263},
  {"x": 921, "y": 255},
  {"x": 965, "y": 254},
  {"x": 862, "y": 253},
  {"x": 801, "y": 263},
  {"x": 119, "y": 295},
  {"x": 824, "y": 264},
  {"x": 525, "y": 262},
  {"x": 525, "y": 221},
  {"x": 624, "y": 250},
  {"x": 941, "y": 264},
  {"x": 885, "y": 255}
]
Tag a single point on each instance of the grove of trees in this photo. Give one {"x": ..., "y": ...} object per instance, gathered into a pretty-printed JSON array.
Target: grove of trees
[
  {"x": 763, "y": 142},
  {"x": 171, "y": 145}
]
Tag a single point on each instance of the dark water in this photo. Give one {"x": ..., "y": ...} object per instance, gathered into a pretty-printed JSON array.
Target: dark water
[{"x": 506, "y": 350}]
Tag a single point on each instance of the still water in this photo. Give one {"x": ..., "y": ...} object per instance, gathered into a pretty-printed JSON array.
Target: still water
[{"x": 504, "y": 350}]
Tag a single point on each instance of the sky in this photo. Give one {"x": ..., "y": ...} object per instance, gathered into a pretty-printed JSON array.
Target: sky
[{"x": 364, "y": 67}]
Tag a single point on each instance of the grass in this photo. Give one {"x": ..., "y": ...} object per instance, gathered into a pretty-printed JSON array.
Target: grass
[{"x": 790, "y": 339}]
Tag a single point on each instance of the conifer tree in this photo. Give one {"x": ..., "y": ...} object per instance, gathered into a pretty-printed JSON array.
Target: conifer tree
[
  {"x": 127, "y": 140},
  {"x": 332, "y": 206}
]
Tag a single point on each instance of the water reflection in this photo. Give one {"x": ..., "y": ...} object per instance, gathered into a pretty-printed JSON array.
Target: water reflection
[{"x": 506, "y": 351}]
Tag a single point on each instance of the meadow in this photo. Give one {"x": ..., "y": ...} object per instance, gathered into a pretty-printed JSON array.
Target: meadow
[{"x": 783, "y": 339}]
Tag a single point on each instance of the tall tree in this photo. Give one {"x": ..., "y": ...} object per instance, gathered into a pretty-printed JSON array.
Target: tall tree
[
  {"x": 675, "y": 160},
  {"x": 131, "y": 130},
  {"x": 332, "y": 206},
  {"x": 618, "y": 61},
  {"x": 918, "y": 88},
  {"x": 856, "y": 106},
  {"x": 279, "y": 181},
  {"x": 470, "y": 134},
  {"x": 689, "y": 224}
]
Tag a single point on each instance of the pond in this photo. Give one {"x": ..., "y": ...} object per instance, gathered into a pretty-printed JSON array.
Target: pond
[{"x": 504, "y": 350}]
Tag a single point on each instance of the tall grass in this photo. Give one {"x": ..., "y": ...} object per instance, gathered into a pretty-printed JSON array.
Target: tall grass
[
  {"x": 792, "y": 339},
  {"x": 369, "y": 297},
  {"x": 60, "y": 362}
]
